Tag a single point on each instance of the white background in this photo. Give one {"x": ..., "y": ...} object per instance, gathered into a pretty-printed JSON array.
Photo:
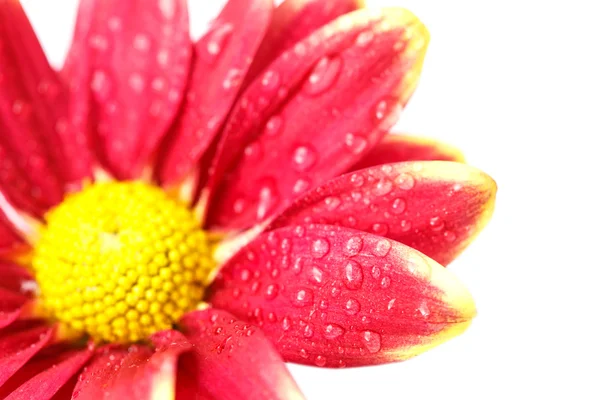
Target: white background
[{"x": 516, "y": 85}]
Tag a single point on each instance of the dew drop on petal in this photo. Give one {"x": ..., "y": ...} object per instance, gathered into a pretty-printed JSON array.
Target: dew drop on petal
[
  {"x": 216, "y": 41},
  {"x": 352, "y": 307},
  {"x": 353, "y": 275},
  {"x": 323, "y": 75},
  {"x": 273, "y": 126},
  {"x": 449, "y": 236},
  {"x": 271, "y": 291},
  {"x": 333, "y": 331},
  {"x": 436, "y": 224},
  {"x": 382, "y": 187},
  {"x": 364, "y": 38},
  {"x": 353, "y": 246},
  {"x": 303, "y": 297},
  {"x": 371, "y": 341},
  {"x": 405, "y": 181},
  {"x": 320, "y": 361},
  {"x": 386, "y": 113},
  {"x": 233, "y": 79},
  {"x": 270, "y": 80},
  {"x": 398, "y": 206},
  {"x": 320, "y": 248},
  {"x": 356, "y": 144},
  {"x": 303, "y": 158},
  {"x": 316, "y": 275},
  {"x": 381, "y": 248}
]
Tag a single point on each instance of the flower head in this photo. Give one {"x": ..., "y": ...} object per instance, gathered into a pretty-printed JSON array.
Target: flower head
[{"x": 177, "y": 219}]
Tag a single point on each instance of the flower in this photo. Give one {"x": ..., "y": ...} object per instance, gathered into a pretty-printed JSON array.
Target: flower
[{"x": 177, "y": 219}]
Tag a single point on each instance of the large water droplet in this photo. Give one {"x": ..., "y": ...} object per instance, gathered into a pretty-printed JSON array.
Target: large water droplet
[
  {"x": 271, "y": 291},
  {"x": 405, "y": 181},
  {"x": 382, "y": 248},
  {"x": 357, "y": 180},
  {"x": 303, "y": 297},
  {"x": 352, "y": 307},
  {"x": 320, "y": 248},
  {"x": 353, "y": 246},
  {"x": 323, "y": 75},
  {"x": 320, "y": 361},
  {"x": 304, "y": 158},
  {"x": 372, "y": 341},
  {"x": 333, "y": 331},
  {"x": 423, "y": 309},
  {"x": 398, "y": 206},
  {"x": 353, "y": 275},
  {"x": 301, "y": 186},
  {"x": 382, "y": 187},
  {"x": 437, "y": 224}
]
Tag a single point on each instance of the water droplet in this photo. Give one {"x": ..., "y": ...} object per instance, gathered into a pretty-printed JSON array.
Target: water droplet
[
  {"x": 270, "y": 80},
  {"x": 298, "y": 265},
  {"x": 320, "y": 361},
  {"x": 353, "y": 275},
  {"x": 353, "y": 246},
  {"x": 398, "y": 206},
  {"x": 300, "y": 231},
  {"x": 332, "y": 202},
  {"x": 245, "y": 275},
  {"x": 268, "y": 198},
  {"x": 357, "y": 180},
  {"x": 323, "y": 304},
  {"x": 301, "y": 186},
  {"x": 364, "y": 38},
  {"x": 423, "y": 309},
  {"x": 303, "y": 297},
  {"x": 100, "y": 85},
  {"x": 356, "y": 144},
  {"x": 323, "y": 75},
  {"x": 385, "y": 282},
  {"x": 303, "y": 353},
  {"x": 449, "y": 236},
  {"x": 98, "y": 42},
  {"x": 233, "y": 79},
  {"x": 137, "y": 82},
  {"x": 372, "y": 341},
  {"x": 286, "y": 324},
  {"x": 304, "y": 158},
  {"x": 405, "y": 226},
  {"x": 376, "y": 272},
  {"x": 386, "y": 113},
  {"x": 391, "y": 304},
  {"x": 216, "y": 42},
  {"x": 405, "y": 181},
  {"x": 320, "y": 248},
  {"x": 333, "y": 331},
  {"x": 352, "y": 307},
  {"x": 380, "y": 229},
  {"x": 167, "y": 8},
  {"x": 316, "y": 275},
  {"x": 382, "y": 248},
  {"x": 273, "y": 126},
  {"x": 382, "y": 187},
  {"x": 436, "y": 224},
  {"x": 141, "y": 42},
  {"x": 308, "y": 331}
]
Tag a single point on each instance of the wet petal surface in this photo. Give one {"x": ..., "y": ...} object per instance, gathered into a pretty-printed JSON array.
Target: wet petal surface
[
  {"x": 436, "y": 207},
  {"x": 336, "y": 297},
  {"x": 314, "y": 112}
]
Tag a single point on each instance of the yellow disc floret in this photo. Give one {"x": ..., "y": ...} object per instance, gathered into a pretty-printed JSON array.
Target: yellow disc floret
[{"x": 121, "y": 260}]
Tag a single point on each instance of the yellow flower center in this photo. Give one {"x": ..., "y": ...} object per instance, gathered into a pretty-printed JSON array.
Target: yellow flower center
[{"x": 119, "y": 261}]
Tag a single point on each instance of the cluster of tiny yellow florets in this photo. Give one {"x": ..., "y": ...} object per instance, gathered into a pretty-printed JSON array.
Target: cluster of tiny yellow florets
[{"x": 121, "y": 260}]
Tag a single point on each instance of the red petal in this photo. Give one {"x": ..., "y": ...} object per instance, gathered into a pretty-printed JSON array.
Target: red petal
[
  {"x": 337, "y": 297},
  {"x": 128, "y": 68},
  {"x": 400, "y": 148},
  {"x": 18, "y": 346},
  {"x": 234, "y": 360},
  {"x": 32, "y": 109},
  {"x": 15, "y": 285},
  {"x": 220, "y": 65},
  {"x": 436, "y": 207},
  {"x": 293, "y": 20},
  {"x": 48, "y": 382},
  {"x": 314, "y": 112},
  {"x": 10, "y": 242},
  {"x": 137, "y": 373}
]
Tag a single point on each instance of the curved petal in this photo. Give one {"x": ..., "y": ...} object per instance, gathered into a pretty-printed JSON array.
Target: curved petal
[
  {"x": 16, "y": 288},
  {"x": 128, "y": 68},
  {"x": 293, "y": 20},
  {"x": 51, "y": 379},
  {"x": 314, "y": 112},
  {"x": 220, "y": 65},
  {"x": 337, "y": 297},
  {"x": 436, "y": 207},
  {"x": 233, "y": 360},
  {"x": 33, "y": 109},
  {"x": 401, "y": 148},
  {"x": 17, "y": 346}
]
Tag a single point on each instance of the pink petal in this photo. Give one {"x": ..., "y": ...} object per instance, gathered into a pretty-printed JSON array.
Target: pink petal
[
  {"x": 220, "y": 65},
  {"x": 400, "y": 148},
  {"x": 233, "y": 360},
  {"x": 314, "y": 112},
  {"x": 335, "y": 297},
  {"x": 436, "y": 207},
  {"x": 128, "y": 68},
  {"x": 49, "y": 381},
  {"x": 33, "y": 112},
  {"x": 293, "y": 20},
  {"x": 18, "y": 345}
]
